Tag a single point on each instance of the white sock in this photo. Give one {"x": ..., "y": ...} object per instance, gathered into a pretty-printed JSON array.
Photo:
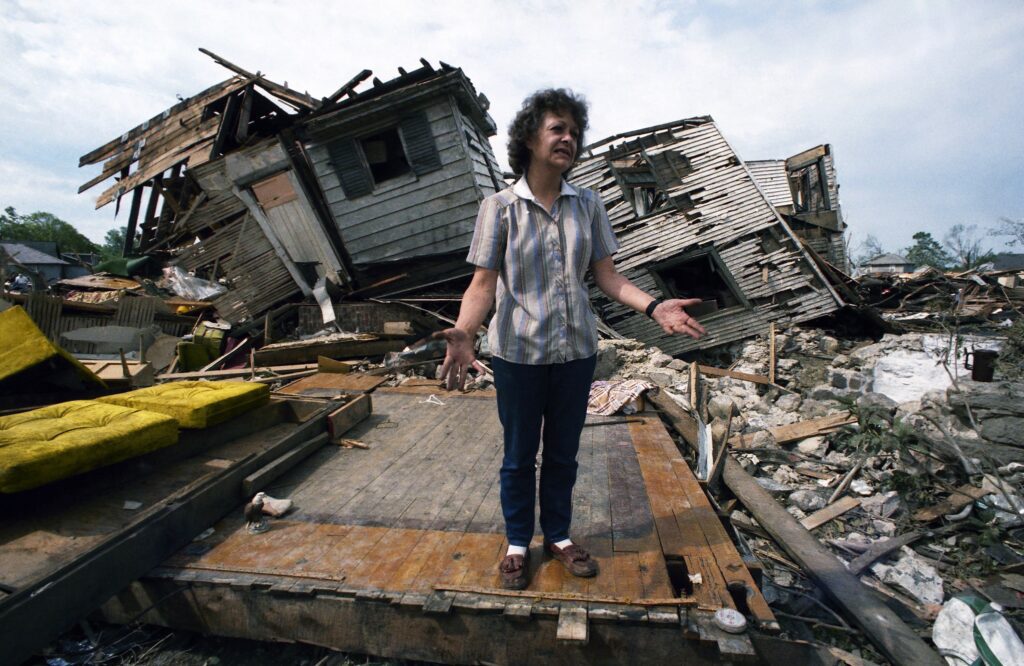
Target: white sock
[
  {"x": 516, "y": 550},
  {"x": 563, "y": 544}
]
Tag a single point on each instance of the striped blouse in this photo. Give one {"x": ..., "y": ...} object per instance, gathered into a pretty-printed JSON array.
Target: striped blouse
[{"x": 543, "y": 313}]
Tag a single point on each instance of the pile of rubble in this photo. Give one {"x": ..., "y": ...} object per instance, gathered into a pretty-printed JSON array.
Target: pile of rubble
[{"x": 913, "y": 480}]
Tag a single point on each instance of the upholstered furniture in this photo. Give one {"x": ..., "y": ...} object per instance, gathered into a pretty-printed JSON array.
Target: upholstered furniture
[
  {"x": 195, "y": 404},
  {"x": 51, "y": 443}
]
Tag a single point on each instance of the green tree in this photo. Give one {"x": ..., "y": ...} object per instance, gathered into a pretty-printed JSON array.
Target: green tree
[
  {"x": 926, "y": 251},
  {"x": 113, "y": 243},
  {"x": 965, "y": 246},
  {"x": 40, "y": 226}
]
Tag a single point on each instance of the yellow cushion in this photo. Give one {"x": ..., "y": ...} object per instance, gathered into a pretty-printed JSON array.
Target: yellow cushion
[
  {"x": 195, "y": 404},
  {"x": 27, "y": 357},
  {"x": 51, "y": 443}
]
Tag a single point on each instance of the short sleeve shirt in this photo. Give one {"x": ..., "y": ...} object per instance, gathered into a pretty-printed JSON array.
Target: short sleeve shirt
[{"x": 542, "y": 311}]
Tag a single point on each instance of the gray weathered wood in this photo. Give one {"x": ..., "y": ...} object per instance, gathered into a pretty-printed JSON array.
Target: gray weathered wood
[{"x": 264, "y": 476}]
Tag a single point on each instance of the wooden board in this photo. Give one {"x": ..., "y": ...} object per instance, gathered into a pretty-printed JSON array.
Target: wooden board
[
  {"x": 325, "y": 384},
  {"x": 415, "y": 519}
]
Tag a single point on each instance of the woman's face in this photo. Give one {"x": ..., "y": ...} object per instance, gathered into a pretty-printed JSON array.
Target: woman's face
[{"x": 554, "y": 144}]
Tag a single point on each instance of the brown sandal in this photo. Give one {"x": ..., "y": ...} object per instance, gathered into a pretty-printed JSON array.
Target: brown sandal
[{"x": 514, "y": 569}]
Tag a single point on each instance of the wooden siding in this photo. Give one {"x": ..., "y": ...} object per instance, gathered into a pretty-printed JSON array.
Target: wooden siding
[
  {"x": 259, "y": 279},
  {"x": 771, "y": 177},
  {"x": 409, "y": 216},
  {"x": 293, "y": 222},
  {"x": 725, "y": 210},
  {"x": 485, "y": 167}
]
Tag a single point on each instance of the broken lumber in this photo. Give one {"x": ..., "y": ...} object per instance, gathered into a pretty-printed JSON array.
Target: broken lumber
[
  {"x": 880, "y": 549},
  {"x": 881, "y": 625},
  {"x": 348, "y": 415},
  {"x": 794, "y": 432},
  {"x": 834, "y": 510},
  {"x": 960, "y": 498},
  {"x": 745, "y": 376}
]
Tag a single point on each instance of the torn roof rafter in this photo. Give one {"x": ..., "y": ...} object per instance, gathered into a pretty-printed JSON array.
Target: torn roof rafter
[
  {"x": 295, "y": 99},
  {"x": 149, "y": 127}
]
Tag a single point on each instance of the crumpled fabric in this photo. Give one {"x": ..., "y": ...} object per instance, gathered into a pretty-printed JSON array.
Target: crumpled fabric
[{"x": 607, "y": 398}]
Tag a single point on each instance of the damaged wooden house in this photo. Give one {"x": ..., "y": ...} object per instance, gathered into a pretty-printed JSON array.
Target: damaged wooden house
[
  {"x": 692, "y": 222},
  {"x": 272, "y": 192},
  {"x": 804, "y": 190}
]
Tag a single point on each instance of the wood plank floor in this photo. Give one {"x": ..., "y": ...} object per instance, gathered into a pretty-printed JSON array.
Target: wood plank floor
[{"x": 419, "y": 511}]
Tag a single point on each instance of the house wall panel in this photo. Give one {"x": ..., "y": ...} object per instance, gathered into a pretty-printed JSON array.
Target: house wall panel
[{"x": 430, "y": 214}]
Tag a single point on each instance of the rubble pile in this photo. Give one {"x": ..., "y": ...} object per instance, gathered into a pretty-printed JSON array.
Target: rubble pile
[
  {"x": 929, "y": 299},
  {"x": 931, "y": 463}
]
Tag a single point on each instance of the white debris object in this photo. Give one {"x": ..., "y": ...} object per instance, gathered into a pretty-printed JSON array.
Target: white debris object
[
  {"x": 953, "y": 633},
  {"x": 914, "y": 575},
  {"x": 862, "y": 488},
  {"x": 730, "y": 620}
]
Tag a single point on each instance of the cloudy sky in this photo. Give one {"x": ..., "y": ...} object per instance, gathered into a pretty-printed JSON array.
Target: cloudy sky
[{"x": 923, "y": 102}]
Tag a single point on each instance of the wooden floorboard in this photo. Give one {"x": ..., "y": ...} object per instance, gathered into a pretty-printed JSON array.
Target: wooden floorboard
[{"x": 421, "y": 508}]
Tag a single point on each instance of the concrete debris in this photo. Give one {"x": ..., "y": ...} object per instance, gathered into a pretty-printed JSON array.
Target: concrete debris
[
  {"x": 920, "y": 579},
  {"x": 807, "y": 500}
]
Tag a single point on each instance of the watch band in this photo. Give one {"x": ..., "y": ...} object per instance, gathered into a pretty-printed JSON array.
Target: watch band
[{"x": 650, "y": 307}]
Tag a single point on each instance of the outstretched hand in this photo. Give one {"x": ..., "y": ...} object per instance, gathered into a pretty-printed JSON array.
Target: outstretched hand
[
  {"x": 459, "y": 358},
  {"x": 672, "y": 317}
]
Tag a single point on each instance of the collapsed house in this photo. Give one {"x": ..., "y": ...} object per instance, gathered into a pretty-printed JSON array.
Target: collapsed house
[
  {"x": 374, "y": 193},
  {"x": 273, "y": 203},
  {"x": 693, "y": 223}
]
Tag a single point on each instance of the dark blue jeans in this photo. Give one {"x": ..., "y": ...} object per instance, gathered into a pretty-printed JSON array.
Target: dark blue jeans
[{"x": 537, "y": 402}]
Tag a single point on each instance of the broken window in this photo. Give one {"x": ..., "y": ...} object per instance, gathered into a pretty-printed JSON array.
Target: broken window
[
  {"x": 810, "y": 188},
  {"x": 385, "y": 155},
  {"x": 364, "y": 162},
  {"x": 640, "y": 189},
  {"x": 702, "y": 275}
]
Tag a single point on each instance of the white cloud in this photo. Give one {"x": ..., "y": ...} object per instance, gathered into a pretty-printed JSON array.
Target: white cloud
[{"x": 916, "y": 97}]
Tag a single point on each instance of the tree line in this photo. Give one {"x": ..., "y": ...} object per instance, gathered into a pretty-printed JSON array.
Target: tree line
[
  {"x": 963, "y": 247},
  {"x": 47, "y": 227}
]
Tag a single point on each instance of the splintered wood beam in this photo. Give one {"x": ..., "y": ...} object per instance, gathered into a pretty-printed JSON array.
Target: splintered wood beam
[
  {"x": 960, "y": 498},
  {"x": 349, "y": 86},
  {"x": 800, "y": 430},
  {"x": 745, "y": 376},
  {"x": 287, "y": 94},
  {"x": 133, "y": 220}
]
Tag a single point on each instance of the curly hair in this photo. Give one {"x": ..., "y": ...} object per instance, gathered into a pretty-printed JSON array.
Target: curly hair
[{"x": 526, "y": 123}]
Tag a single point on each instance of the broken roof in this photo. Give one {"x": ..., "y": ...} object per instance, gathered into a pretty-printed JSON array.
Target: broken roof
[{"x": 28, "y": 255}]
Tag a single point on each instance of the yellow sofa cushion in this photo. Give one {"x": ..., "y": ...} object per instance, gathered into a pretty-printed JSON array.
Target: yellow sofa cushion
[
  {"x": 55, "y": 442},
  {"x": 195, "y": 404},
  {"x": 28, "y": 358}
]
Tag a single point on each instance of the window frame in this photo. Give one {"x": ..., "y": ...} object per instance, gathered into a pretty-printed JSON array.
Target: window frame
[{"x": 655, "y": 270}]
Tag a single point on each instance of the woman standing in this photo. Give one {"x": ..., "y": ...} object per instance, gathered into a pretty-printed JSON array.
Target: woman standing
[{"x": 532, "y": 247}]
